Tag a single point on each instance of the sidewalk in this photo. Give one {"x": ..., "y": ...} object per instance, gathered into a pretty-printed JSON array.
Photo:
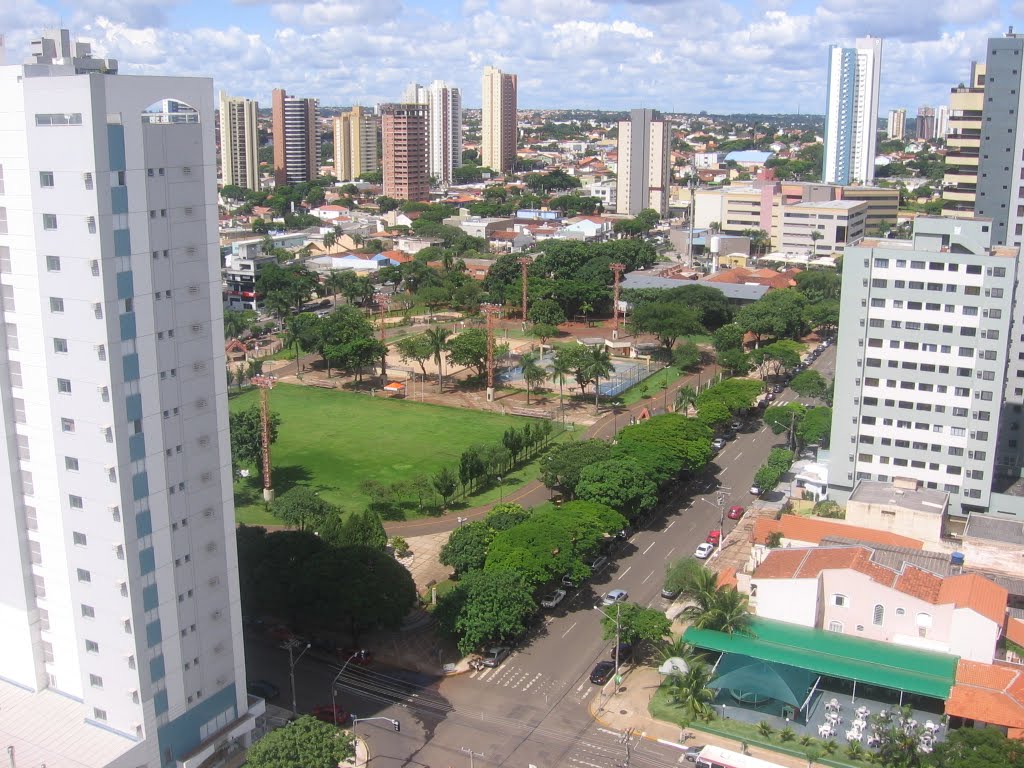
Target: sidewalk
[{"x": 628, "y": 709}]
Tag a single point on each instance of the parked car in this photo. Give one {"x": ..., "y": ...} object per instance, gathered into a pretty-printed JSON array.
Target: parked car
[
  {"x": 693, "y": 752},
  {"x": 730, "y": 434},
  {"x": 756, "y": 490},
  {"x": 326, "y": 714},
  {"x": 770, "y": 397},
  {"x": 596, "y": 563},
  {"x": 735, "y": 513},
  {"x": 603, "y": 672},
  {"x": 669, "y": 594},
  {"x": 704, "y": 551},
  {"x": 570, "y": 582},
  {"x": 625, "y": 652},
  {"x": 495, "y": 656},
  {"x": 777, "y": 389},
  {"x": 737, "y": 426},
  {"x": 615, "y": 596},
  {"x": 263, "y": 688},
  {"x": 718, "y": 444},
  {"x": 553, "y": 599},
  {"x": 714, "y": 537}
]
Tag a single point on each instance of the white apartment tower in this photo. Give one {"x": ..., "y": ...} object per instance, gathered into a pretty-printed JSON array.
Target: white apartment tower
[
  {"x": 499, "y": 120},
  {"x": 239, "y": 142},
  {"x": 929, "y": 383},
  {"x": 444, "y": 126},
  {"x": 897, "y": 124},
  {"x": 643, "y": 174},
  {"x": 122, "y": 641},
  {"x": 851, "y": 114}
]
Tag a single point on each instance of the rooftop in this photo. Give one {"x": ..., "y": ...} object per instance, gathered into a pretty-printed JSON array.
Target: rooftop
[
  {"x": 920, "y": 500},
  {"x": 995, "y": 529},
  {"x": 813, "y": 530},
  {"x": 991, "y": 693},
  {"x": 841, "y": 205}
]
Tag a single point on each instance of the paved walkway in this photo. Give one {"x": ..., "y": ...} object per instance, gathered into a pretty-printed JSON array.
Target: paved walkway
[{"x": 629, "y": 709}]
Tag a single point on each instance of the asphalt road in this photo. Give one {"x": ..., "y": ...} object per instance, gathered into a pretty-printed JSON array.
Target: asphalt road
[{"x": 533, "y": 710}]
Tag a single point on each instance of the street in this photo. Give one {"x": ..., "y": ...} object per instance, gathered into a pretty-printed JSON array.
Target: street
[{"x": 533, "y": 709}]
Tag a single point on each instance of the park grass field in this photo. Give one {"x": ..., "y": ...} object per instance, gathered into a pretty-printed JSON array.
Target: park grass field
[{"x": 332, "y": 441}]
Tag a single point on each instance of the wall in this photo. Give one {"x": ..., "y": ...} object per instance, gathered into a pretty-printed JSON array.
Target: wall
[{"x": 792, "y": 600}]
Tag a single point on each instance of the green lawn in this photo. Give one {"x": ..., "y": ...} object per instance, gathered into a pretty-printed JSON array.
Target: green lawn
[{"x": 332, "y": 441}]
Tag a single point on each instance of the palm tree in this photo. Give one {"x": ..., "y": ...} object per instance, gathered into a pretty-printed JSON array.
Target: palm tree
[
  {"x": 727, "y": 613},
  {"x": 599, "y": 366},
  {"x": 253, "y": 368},
  {"x": 701, "y": 588},
  {"x": 329, "y": 240},
  {"x": 685, "y": 397},
  {"x": 586, "y": 308},
  {"x": 560, "y": 370},
  {"x": 438, "y": 338},
  {"x": 336, "y": 280},
  {"x": 690, "y": 692},
  {"x": 533, "y": 374},
  {"x": 765, "y": 729}
]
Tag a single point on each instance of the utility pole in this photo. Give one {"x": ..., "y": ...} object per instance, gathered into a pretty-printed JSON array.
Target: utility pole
[
  {"x": 626, "y": 740},
  {"x": 693, "y": 210},
  {"x": 471, "y": 754},
  {"x": 617, "y": 269},
  {"x": 265, "y": 384},
  {"x": 382, "y": 304},
  {"x": 490, "y": 310},
  {"x": 524, "y": 262},
  {"x": 290, "y": 646}
]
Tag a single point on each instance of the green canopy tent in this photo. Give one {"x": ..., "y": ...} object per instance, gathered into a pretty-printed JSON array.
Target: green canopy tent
[{"x": 752, "y": 681}]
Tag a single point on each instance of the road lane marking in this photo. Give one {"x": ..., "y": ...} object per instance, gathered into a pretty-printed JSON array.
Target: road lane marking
[
  {"x": 649, "y": 547},
  {"x": 628, "y": 569},
  {"x": 485, "y": 673},
  {"x": 648, "y": 576},
  {"x": 670, "y": 525},
  {"x": 569, "y": 629},
  {"x": 738, "y": 456},
  {"x": 670, "y": 552}
]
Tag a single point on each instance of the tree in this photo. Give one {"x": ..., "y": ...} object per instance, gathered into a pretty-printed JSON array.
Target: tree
[
  {"x": 686, "y": 356},
  {"x": 364, "y": 529},
  {"x": 823, "y": 316},
  {"x": 687, "y": 439},
  {"x": 785, "y": 418},
  {"x": 505, "y": 516},
  {"x": 681, "y": 573},
  {"x": 735, "y": 394},
  {"x": 466, "y": 548},
  {"x": 416, "y": 348},
  {"x": 562, "y": 465},
  {"x": 469, "y": 349},
  {"x": 560, "y": 369},
  {"x": 302, "y": 508},
  {"x": 976, "y": 748},
  {"x": 728, "y": 613},
  {"x": 637, "y": 625},
  {"x": 621, "y": 484},
  {"x": 247, "y": 435},
  {"x": 815, "y": 427},
  {"x": 819, "y": 284},
  {"x": 779, "y": 314},
  {"x": 304, "y": 743},
  {"x": 597, "y": 366},
  {"x": 301, "y": 333},
  {"x": 712, "y": 307},
  {"x": 771, "y": 472},
  {"x": 487, "y": 607},
  {"x": 433, "y": 296},
  {"x": 238, "y": 322},
  {"x": 347, "y": 339},
  {"x": 735, "y": 361},
  {"x": 666, "y": 321},
  {"x": 728, "y": 337},
  {"x": 685, "y": 397},
  {"x": 533, "y": 374},
  {"x": 546, "y": 311},
  {"x": 445, "y": 483},
  {"x": 543, "y": 331},
  {"x": 438, "y": 341},
  {"x": 779, "y": 356},
  {"x": 690, "y": 692},
  {"x": 809, "y": 383}
]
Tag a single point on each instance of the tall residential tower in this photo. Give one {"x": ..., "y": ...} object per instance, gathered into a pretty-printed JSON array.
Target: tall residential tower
[
  {"x": 296, "y": 138},
  {"x": 355, "y": 144},
  {"x": 444, "y": 126},
  {"x": 119, "y": 596},
  {"x": 404, "y": 136},
  {"x": 963, "y": 145},
  {"x": 499, "y": 121},
  {"x": 851, "y": 113},
  {"x": 239, "y": 142},
  {"x": 643, "y": 177},
  {"x": 897, "y": 124}
]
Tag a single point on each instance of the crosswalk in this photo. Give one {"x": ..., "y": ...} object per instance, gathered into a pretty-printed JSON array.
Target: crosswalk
[{"x": 514, "y": 677}]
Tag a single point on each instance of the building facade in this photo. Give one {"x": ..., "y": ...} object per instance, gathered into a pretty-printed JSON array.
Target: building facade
[
  {"x": 120, "y": 597},
  {"x": 499, "y": 120},
  {"x": 355, "y": 144},
  {"x": 897, "y": 124},
  {"x": 404, "y": 136},
  {"x": 822, "y": 229},
  {"x": 963, "y": 145},
  {"x": 296, "y": 138},
  {"x": 239, "y": 142},
  {"x": 924, "y": 386},
  {"x": 643, "y": 176},
  {"x": 851, "y": 112},
  {"x": 924, "y": 129},
  {"x": 444, "y": 127},
  {"x": 999, "y": 193}
]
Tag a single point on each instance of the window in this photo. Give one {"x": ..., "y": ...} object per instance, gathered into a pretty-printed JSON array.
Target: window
[
  {"x": 878, "y": 615},
  {"x": 56, "y": 304},
  {"x": 49, "y": 221},
  {"x": 53, "y": 263},
  {"x": 79, "y": 539},
  {"x": 90, "y": 613},
  {"x": 3, "y": 220},
  {"x": 46, "y": 178},
  {"x": 60, "y": 346},
  {"x": 839, "y": 600},
  {"x": 71, "y": 463},
  {"x": 67, "y": 425},
  {"x": 84, "y": 576},
  {"x": 64, "y": 386}
]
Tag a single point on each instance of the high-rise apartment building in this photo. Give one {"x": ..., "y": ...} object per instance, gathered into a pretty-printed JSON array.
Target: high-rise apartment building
[
  {"x": 122, "y": 634},
  {"x": 643, "y": 174},
  {"x": 404, "y": 135},
  {"x": 355, "y": 144},
  {"x": 927, "y": 387},
  {"x": 963, "y": 145},
  {"x": 925, "y": 126},
  {"x": 897, "y": 124},
  {"x": 851, "y": 113},
  {"x": 941, "y": 121},
  {"x": 239, "y": 142},
  {"x": 499, "y": 120},
  {"x": 1000, "y": 195},
  {"x": 444, "y": 126},
  {"x": 296, "y": 138}
]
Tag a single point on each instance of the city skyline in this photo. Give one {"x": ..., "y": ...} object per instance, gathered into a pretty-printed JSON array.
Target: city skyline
[{"x": 749, "y": 57}]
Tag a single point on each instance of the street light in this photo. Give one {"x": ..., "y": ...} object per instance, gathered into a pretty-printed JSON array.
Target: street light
[
  {"x": 334, "y": 685},
  {"x": 618, "y": 628},
  {"x": 290, "y": 646}
]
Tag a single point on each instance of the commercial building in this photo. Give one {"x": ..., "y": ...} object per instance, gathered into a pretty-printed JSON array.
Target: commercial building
[
  {"x": 963, "y": 145},
  {"x": 499, "y": 120},
  {"x": 851, "y": 112},
  {"x": 444, "y": 127},
  {"x": 897, "y": 124},
  {"x": 239, "y": 142},
  {"x": 122, "y": 634},
  {"x": 296, "y": 138},
  {"x": 404, "y": 134},
  {"x": 925, "y": 387},
  {"x": 355, "y": 144},
  {"x": 645, "y": 144},
  {"x": 822, "y": 229},
  {"x": 1000, "y": 196}
]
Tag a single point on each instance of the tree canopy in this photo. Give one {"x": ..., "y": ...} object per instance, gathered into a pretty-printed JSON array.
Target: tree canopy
[
  {"x": 621, "y": 484},
  {"x": 667, "y": 321},
  {"x": 247, "y": 435},
  {"x": 304, "y": 743},
  {"x": 779, "y": 314},
  {"x": 561, "y": 466}
]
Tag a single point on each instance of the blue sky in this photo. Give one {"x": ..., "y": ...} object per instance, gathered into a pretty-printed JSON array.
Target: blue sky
[{"x": 750, "y": 56}]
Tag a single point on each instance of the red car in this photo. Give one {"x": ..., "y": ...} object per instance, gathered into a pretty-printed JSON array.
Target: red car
[
  {"x": 715, "y": 537},
  {"x": 325, "y": 713},
  {"x": 735, "y": 513}
]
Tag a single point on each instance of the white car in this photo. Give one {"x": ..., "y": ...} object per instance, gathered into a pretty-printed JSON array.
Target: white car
[
  {"x": 717, "y": 444},
  {"x": 704, "y": 551},
  {"x": 552, "y": 600},
  {"x": 615, "y": 596}
]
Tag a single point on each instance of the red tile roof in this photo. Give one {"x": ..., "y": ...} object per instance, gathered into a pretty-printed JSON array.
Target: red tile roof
[
  {"x": 990, "y": 693},
  {"x": 969, "y": 590},
  {"x": 813, "y": 530},
  {"x": 1015, "y": 631},
  {"x": 768, "y": 277}
]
